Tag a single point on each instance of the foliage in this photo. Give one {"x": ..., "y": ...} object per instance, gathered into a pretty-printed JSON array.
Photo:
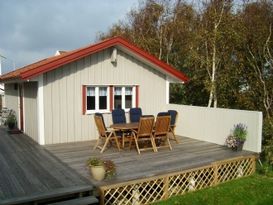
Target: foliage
[
  {"x": 11, "y": 120},
  {"x": 251, "y": 190},
  {"x": 265, "y": 169},
  {"x": 237, "y": 137},
  {"x": 109, "y": 166},
  {"x": 224, "y": 46},
  {"x": 267, "y": 154},
  {"x": 94, "y": 162},
  {"x": 240, "y": 132},
  {"x": 231, "y": 141}
]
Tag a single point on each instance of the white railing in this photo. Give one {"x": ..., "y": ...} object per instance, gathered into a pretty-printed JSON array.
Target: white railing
[{"x": 215, "y": 124}]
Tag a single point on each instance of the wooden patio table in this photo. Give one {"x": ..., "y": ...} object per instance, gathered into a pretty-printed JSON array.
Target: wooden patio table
[{"x": 125, "y": 127}]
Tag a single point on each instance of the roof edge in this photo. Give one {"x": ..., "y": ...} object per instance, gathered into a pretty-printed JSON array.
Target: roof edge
[{"x": 83, "y": 52}]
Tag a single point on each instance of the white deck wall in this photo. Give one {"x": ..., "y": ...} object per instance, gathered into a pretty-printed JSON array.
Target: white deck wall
[
  {"x": 215, "y": 124},
  {"x": 63, "y": 118}
]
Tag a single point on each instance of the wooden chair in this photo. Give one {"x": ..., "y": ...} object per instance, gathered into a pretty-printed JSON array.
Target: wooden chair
[
  {"x": 118, "y": 117},
  {"x": 161, "y": 131},
  {"x": 144, "y": 134},
  {"x": 104, "y": 134},
  {"x": 173, "y": 114}
]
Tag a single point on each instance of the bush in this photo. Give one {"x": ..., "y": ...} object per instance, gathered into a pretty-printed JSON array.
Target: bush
[
  {"x": 11, "y": 121},
  {"x": 267, "y": 149}
]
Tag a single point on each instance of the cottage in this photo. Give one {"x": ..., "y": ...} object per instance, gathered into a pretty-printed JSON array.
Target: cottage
[{"x": 55, "y": 98}]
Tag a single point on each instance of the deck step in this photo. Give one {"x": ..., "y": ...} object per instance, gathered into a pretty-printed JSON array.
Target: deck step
[{"x": 79, "y": 201}]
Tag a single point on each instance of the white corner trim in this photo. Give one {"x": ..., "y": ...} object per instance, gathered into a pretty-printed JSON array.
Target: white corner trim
[
  {"x": 40, "y": 111},
  {"x": 167, "y": 91}
]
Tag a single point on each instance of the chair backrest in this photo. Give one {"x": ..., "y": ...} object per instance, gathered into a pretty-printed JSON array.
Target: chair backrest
[
  {"x": 145, "y": 127},
  {"x": 162, "y": 125},
  {"x": 135, "y": 114},
  {"x": 100, "y": 125},
  {"x": 100, "y": 115},
  {"x": 173, "y": 114},
  {"x": 118, "y": 116},
  {"x": 163, "y": 114}
]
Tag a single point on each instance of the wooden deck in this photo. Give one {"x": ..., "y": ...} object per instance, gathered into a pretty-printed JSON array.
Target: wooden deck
[
  {"x": 187, "y": 155},
  {"x": 30, "y": 174}
]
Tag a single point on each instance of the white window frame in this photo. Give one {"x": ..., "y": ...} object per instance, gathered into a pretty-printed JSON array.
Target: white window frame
[
  {"x": 123, "y": 96},
  {"x": 97, "y": 100}
]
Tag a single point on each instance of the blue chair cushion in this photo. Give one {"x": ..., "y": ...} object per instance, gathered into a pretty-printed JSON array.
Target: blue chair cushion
[
  {"x": 163, "y": 114},
  {"x": 118, "y": 116},
  {"x": 173, "y": 114},
  {"x": 135, "y": 114}
]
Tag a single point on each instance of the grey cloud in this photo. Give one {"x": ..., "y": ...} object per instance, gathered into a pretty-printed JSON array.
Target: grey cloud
[{"x": 34, "y": 29}]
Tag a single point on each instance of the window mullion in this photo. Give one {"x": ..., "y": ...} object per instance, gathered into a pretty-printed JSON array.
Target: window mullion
[
  {"x": 134, "y": 96},
  {"x": 97, "y": 98},
  {"x": 123, "y": 97}
]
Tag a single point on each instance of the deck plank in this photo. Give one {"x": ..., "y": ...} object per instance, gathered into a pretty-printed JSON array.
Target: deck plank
[
  {"x": 190, "y": 153},
  {"x": 30, "y": 172}
]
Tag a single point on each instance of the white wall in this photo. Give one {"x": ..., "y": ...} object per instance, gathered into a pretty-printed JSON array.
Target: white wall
[
  {"x": 12, "y": 99},
  {"x": 215, "y": 124},
  {"x": 30, "y": 109},
  {"x": 62, "y": 93}
]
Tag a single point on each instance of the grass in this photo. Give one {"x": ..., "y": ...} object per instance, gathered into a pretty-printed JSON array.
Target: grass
[{"x": 256, "y": 189}]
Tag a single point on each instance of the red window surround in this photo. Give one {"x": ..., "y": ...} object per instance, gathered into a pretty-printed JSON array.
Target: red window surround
[
  {"x": 111, "y": 89},
  {"x": 83, "y": 99},
  {"x": 111, "y": 97},
  {"x": 137, "y": 95}
]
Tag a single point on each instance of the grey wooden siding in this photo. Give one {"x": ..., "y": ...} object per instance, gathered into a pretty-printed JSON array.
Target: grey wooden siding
[
  {"x": 12, "y": 99},
  {"x": 64, "y": 121},
  {"x": 30, "y": 108}
]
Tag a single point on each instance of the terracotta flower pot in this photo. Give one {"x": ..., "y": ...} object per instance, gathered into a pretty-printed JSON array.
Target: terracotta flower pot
[{"x": 98, "y": 172}]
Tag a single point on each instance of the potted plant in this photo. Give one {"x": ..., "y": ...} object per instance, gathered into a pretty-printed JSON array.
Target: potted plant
[
  {"x": 237, "y": 138},
  {"x": 97, "y": 169},
  {"x": 110, "y": 169},
  {"x": 11, "y": 121}
]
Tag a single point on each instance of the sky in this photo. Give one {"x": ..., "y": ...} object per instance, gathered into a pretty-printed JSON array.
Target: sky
[{"x": 31, "y": 30}]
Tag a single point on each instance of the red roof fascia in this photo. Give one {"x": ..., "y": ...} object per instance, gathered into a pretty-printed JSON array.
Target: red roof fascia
[
  {"x": 80, "y": 53},
  {"x": 154, "y": 60}
]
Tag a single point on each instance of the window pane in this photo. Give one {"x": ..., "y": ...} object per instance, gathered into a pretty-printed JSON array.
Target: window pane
[
  {"x": 103, "y": 102},
  {"x": 90, "y": 102},
  {"x": 117, "y": 101},
  {"x": 118, "y": 97},
  {"x": 128, "y": 97},
  {"x": 128, "y": 90},
  {"x": 128, "y": 101},
  {"x": 90, "y": 91},
  {"x": 118, "y": 91},
  {"x": 103, "y": 98}
]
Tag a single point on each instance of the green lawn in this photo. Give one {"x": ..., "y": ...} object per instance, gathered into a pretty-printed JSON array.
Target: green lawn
[{"x": 256, "y": 189}]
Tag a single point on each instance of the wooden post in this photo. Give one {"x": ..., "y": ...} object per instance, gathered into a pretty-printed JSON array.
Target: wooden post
[
  {"x": 215, "y": 173},
  {"x": 253, "y": 162},
  {"x": 101, "y": 191},
  {"x": 166, "y": 187}
]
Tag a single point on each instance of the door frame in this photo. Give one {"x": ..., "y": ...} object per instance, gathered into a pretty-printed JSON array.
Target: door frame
[{"x": 21, "y": 106}]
